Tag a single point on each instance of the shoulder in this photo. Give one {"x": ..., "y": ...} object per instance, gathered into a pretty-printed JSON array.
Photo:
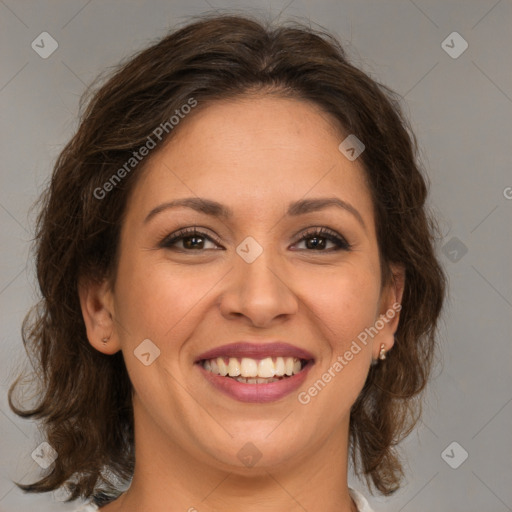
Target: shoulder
[{"x": 360, "y": 501}]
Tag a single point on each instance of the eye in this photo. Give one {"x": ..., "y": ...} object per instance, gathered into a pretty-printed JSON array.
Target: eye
[
  {"x": 190, "y": 238},
  {"x": 317, "y": 239}
]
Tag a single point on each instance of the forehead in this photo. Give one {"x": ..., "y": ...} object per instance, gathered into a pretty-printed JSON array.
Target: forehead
[{"x": 254, "y": 151}]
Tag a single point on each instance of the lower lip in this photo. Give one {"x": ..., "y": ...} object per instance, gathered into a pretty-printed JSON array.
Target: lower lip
[{"x": 256, "y": 393}]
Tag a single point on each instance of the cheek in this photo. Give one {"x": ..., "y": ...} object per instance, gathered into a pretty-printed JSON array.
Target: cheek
[
  {"x": 154, "y": 299},
  {"x": 344, "y": 302},
  {"x": 157, "y": 301}
]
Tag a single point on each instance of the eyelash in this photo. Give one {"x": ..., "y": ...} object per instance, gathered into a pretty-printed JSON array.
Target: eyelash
[{"x": 322, "y": 232}]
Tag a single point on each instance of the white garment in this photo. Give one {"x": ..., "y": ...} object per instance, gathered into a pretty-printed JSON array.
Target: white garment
[
  {"x": 87, "y": 507},
  {"x": 359, "y": 499}
]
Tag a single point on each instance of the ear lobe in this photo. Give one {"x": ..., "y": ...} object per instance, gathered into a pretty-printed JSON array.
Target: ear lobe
[{"x": 96, "y": 302}]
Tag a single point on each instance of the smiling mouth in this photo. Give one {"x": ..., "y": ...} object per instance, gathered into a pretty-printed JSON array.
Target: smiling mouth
[{"x": 254, "y": 371}]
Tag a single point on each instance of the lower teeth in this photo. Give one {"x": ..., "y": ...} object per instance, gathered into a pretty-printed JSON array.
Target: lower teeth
[{"x": 256, "y": 380}]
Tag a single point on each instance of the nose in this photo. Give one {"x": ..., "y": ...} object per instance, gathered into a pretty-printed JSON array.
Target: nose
[{"x": 259, "y": 292}]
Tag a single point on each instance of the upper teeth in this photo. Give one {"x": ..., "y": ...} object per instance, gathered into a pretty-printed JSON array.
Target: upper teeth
[{"x": 247, "y": 367}]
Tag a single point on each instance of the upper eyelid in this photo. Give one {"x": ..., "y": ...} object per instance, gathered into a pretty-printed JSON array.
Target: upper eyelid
[{"x": 188, "y": 232}]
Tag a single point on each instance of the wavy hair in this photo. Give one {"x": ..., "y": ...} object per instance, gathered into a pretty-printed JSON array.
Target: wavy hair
[{"x": 84, "y": 401}]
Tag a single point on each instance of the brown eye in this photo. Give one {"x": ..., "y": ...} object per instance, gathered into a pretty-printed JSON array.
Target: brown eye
[
  {"x": 191, "y": 240},
  {"x": 318, "y": 239}
]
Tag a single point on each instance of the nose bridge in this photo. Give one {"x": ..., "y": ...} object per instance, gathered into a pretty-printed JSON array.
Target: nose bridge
[
  {"x": 259, "y": 288},
  {"x": 262, "y": 273}
]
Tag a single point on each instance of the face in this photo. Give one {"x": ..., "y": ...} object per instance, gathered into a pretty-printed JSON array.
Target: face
[{"x": 263, "y": 268}]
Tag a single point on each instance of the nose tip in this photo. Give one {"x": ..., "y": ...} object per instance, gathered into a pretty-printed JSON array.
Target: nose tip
[{"x": 258, "y": 291}]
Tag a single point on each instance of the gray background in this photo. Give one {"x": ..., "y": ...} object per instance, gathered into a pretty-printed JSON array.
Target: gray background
[{"x": 461, "y": 110}]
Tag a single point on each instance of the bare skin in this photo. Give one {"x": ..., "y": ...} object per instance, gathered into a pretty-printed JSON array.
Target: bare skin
[{"x": 254, "y": 155}]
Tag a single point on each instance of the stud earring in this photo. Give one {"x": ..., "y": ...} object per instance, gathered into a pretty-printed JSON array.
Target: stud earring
[
  {"x": 104, "y": 340},
  {"x": 382, "y": 353}
]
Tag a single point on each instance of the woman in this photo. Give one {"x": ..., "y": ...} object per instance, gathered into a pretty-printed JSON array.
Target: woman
[{"x": 239, "y": 285}]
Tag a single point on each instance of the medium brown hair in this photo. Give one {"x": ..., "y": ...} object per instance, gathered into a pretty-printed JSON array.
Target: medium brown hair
[{"x": 85, "y": 396}]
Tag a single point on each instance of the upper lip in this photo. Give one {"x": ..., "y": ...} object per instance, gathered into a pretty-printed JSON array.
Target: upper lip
[{"x": 241, "y": 349}]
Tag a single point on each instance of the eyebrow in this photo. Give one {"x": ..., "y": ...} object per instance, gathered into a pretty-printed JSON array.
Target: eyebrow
[{"x": 215, "y": 209}]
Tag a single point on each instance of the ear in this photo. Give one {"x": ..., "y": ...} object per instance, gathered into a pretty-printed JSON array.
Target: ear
[
  {"x": 96, "y": 301},
  {"x": 389, "y": 310}
]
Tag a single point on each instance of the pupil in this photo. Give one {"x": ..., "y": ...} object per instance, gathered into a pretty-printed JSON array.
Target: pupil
[
  {"x": 316, "y": 243},
  {"x": 188, "y": 241}
]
